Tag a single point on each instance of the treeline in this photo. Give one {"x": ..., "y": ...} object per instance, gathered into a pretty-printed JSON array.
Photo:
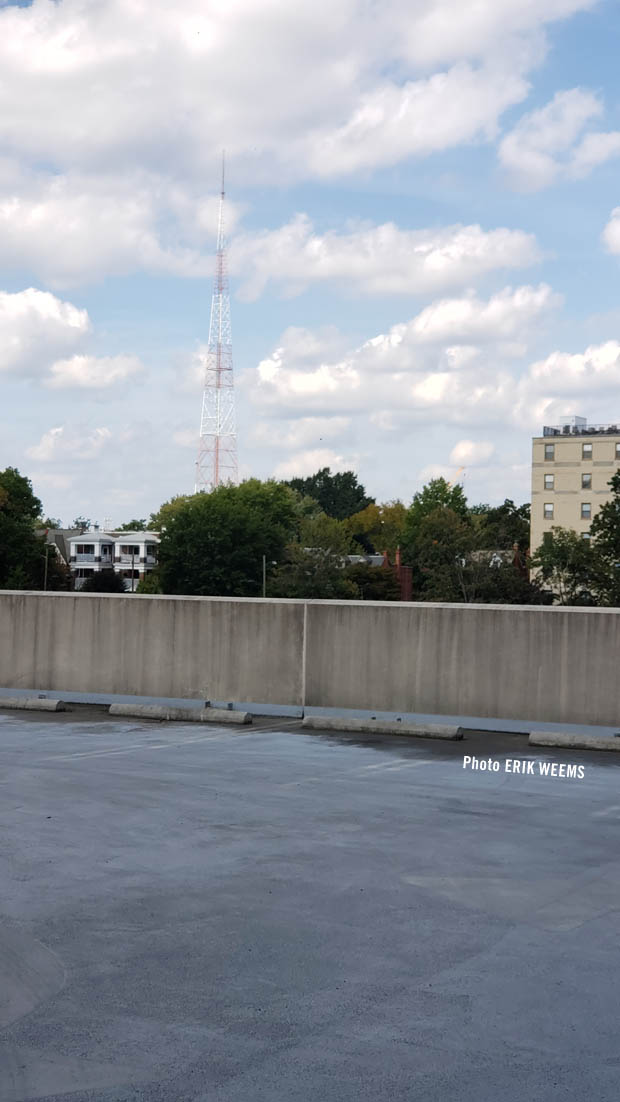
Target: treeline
[
  {"x": 294, "y": 539},
  {"x": 305, "y": 529}
]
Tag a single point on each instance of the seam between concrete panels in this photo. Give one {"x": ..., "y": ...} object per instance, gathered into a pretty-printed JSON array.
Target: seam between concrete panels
[{"x": 304, "y": 650}]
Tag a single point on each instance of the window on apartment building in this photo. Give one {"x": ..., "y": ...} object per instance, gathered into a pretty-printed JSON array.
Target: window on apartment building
[
  {"x": 85, "y": 549},
  {"x": 586, "y": 482},
  {"x": 549, "y": 481},
  {"x": 549, "y": 451},
  {"x": 617, "y": 451},
  {"x": 130, "y": 549},
  {"x": 548, "y": 511},
  {"x": 585, "y": 535},
  {"x": 586, "y": 510},
  {"x": 586, "y": 451}
]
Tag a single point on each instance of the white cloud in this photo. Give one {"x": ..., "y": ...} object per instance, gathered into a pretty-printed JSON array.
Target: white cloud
[
  {"x": 306, "y": 463},
  {"x": 411, "y": 374},
  {"x": 301, "y": 432},
  {"x": 35, "y": 326},
  {"x": 61, "y": 443},
  {"x": 471, "y": 319},
  {"x": 376, "y": 259},
  {"x": 543, "y": 146},
  {"x": 471, "y": 453},
  {"x": 394, "y": 121},
  {"x": 137, "y": 82},
  {"x": 611, "y": 233},
  {"x": 73, "y": 228},
  {"x": 93, "y": 372}
]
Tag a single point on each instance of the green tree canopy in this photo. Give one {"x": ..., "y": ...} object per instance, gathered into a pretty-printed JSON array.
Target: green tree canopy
[
  {"x": 438, "y": 494},
  {"x": 22, "y": 552},
  {"x": 379, "y": 528},
  {"x": 373, "y": 583},
  {"x": 500, "y": 527},
  {"x": 605, "y": 533},
  {"x": 213, "y": 543},
  {"x": 565, "y": 563},
  {"x": 339, "y": 495},
  {"x": 132, "y": 526},
  {"x": 83, "y": 523}
]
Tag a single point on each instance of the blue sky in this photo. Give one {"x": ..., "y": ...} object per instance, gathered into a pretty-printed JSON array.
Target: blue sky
[{"x": 424, "y": 228}]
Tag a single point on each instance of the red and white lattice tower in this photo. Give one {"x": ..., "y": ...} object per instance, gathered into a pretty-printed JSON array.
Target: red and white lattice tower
[{"x": 217, "y": 450}]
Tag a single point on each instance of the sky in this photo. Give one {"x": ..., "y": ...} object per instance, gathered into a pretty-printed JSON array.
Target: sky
[{"x": 423, "y": 218}]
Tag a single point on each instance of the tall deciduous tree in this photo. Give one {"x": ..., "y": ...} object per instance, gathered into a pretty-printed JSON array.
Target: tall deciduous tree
[
  {"x": 565, "y": 562},
  {"x": 213, "y": 544},
  {"x": 605, "y": 533},
  {"x": 379, "y": 528},
  {"x": 500, "y": 527},
  {"x": 22, "y": 552},
  {"x": 339, "y": 495}
]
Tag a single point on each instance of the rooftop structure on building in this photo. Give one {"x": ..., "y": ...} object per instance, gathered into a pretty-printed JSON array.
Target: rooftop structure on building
[{"x": 578, "y": 426}]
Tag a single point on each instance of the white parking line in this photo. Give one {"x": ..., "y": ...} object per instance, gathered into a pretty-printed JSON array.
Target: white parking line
[{"x": 136, "y": 746}]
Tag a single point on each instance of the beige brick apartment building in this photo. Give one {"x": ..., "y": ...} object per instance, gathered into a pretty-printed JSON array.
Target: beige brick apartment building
[{"x": 571, "y": 467}]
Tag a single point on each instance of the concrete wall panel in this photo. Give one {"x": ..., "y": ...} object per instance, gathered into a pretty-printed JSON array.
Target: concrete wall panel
[
  {"x": 546, "y": 664},
  {"x": 193, "y": 647}
]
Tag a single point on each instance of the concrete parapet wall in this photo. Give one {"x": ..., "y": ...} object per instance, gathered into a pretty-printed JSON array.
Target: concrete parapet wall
[
  {"x": 190, "y": 647},
  {"x": 514, "y": 662},
  {"x": 557, "y": 665}
]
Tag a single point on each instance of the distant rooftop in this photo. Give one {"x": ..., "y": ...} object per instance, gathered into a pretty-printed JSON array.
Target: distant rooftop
[{"x": 578, "y": 426}]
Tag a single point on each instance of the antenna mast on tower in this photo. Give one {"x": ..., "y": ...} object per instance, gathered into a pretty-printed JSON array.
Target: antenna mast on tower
[{"x": 217, "y": 450}]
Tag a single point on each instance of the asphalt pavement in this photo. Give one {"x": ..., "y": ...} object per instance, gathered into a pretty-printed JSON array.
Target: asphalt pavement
[{"x": 261, "y": 914}]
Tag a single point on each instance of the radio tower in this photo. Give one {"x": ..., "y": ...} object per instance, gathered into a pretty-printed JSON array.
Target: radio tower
[{"x": 217, "y": 450}]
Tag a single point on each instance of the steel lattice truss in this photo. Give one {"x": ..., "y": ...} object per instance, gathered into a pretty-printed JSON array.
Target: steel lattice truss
[{"x": 217, "y": 450}]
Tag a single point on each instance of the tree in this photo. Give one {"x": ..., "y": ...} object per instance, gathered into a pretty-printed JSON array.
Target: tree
[
  {"x": 312, "y": 573},
  {"x": 373, "y": 583},
  {"x": 605, "y": 534},
  {"x": 501, "y": 526},
  {"x": 22, "y": 552},
  {"x": 213, "y": 543},
  {"x": 167, "y": 511},
  {"x": 565, "y": 562},
  {"x": 441, "y": 546},
  {"x": 320, "y": 531},
  {"x": 49, "y": 522},
  {"x": 83, "y": 523},
  {"x": 339, "y": 495},
  {"x": 379, "y": 528},
  {"x": 150, "y": 583},
  {"x": 104, "y": 581},
  {"x": 436, "y": 495},
  {"x": 132, "y": 526}
]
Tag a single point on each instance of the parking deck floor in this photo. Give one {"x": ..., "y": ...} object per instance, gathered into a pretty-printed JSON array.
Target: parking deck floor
[{"x": 260, "y": 914}]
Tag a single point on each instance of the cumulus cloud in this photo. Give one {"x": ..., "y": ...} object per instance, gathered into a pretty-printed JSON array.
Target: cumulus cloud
[
  {"x": 93, "y": 372},
  {"x": 73, "y": 228},
  {"x": 307, "y": 462},
  {"x": 471, "y": 453},
  {"x": 567, "y": 383},
  {"x": 62, "y": 443},
  {"x": 376, "y": 260},
  {"x": 544, "y": 145},
  {"x": 455, "y": 362},
  {"x": 108, "y": 79},
  {"x": 398, "y": 380},
  {"x": 611, "y": 233},
  {"x": 35, "y": 326}
]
